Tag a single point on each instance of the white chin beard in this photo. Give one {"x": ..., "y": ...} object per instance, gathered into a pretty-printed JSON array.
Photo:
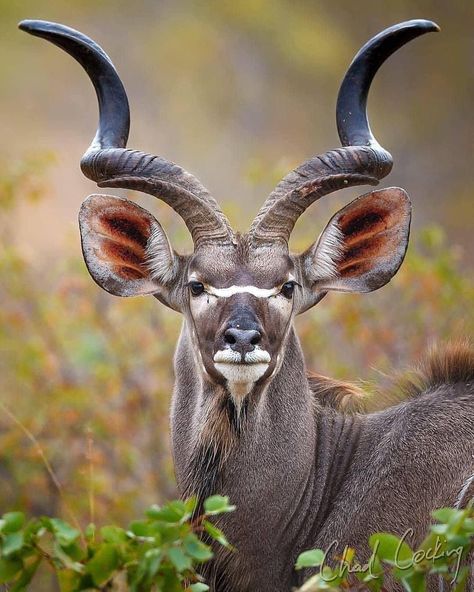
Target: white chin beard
[{"x": 241, "y": 377}]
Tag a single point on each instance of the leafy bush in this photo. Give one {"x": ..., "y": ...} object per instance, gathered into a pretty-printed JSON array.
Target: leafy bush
[
  {"x": 442, "y": 553},
  {"x": 163, "y": 551},
  {"x": 159, "y": 552}
]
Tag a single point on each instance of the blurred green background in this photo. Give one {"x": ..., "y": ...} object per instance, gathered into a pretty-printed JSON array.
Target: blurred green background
[{"x": 238, "y": 92}]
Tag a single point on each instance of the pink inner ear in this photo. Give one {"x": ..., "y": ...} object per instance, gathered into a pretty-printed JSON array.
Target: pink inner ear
[
  {"x": 123, "y": 239},
  {"x": 125, "y": 261},
  {"x": 371, "y": 231},
  {"x": 125, "y": 226}
]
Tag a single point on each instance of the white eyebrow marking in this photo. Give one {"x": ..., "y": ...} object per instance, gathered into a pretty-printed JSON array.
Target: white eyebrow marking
[{"x": 231, "y": 290}]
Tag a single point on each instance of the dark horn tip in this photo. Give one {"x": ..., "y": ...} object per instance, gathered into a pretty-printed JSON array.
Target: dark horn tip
[
  {"x": 27, "y": 25},
  {"x": 423, "y": 24},
  {"x": 351, "y": 114},
  {"x": 114, "y": 115},
  {"x": 35, "y": 26}
]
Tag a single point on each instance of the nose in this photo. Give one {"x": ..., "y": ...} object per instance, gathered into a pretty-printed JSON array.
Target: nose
[{"x": 242, "y": 340}]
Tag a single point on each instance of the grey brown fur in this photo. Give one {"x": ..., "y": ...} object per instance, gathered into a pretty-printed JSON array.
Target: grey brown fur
[{"x": 294, "y": 454}]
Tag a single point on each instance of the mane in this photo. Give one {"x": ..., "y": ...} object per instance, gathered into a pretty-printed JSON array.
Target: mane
[
  {"x": 444, "y": 364},
  {"x": 337, "y": 394}
]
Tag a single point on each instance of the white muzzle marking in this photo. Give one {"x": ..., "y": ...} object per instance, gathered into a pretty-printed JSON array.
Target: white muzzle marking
[
  {"x": 241, "y": 372},
  {"x": 230, "y": 356}
]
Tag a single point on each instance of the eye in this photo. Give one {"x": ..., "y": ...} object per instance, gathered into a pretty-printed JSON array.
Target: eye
[
  {"x": 196, "y": 288},
  {"x": 288, "y": 289}
]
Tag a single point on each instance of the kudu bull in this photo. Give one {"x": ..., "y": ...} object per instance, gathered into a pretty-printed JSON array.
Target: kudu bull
[{"x": 245, "y": 419}]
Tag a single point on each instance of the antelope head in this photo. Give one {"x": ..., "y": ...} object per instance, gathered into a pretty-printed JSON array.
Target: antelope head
[{"x": 238, "y": 292}]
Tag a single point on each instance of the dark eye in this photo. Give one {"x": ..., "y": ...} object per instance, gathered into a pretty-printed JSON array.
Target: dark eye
[
  {"x": 196, "y": 288},
  {"x": 288, "y": 289}
]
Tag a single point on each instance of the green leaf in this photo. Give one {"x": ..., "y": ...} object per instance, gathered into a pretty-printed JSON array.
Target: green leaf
[
  {"x": 141, "y": 528},
  {"x": 196, "y": 548},
  {"x": 433, "y": 541},
  {"x": 199, "y": 587},
  {"x": 149, "y": 566},
  {"x": 153, "y": 558},
  {"x": 170, "y": 582},
  {"x": 153, "y": 512},
  {"x": 12, "y": 522},
  {"x": 390, "y": 548},
  {"x": 457, "y": 541},
  {"x": 113, "y": 534},
  {"x": 174, "y": 511},
  {"x": 74, "y": 551},
  {"x": 439, "y": 529},
  {"x": 65, "y": 533},
  {"x": 311, "y": 558},
  {"x": 103, "y": 564},
  {"x": 216, "y": 533},
  {"x": 446, "y": 514},
  {"x": 217, "y": 504},
  {"x": 68, "y": 580},
  {"x": 8, "y": 569},
  {"x": 12, "y": 543},
  {"x": 415, "y": 582},
  {"x": 65, "y": 559},
  {"x": 191, "y": 504},
  {"x": 179, "y": 559},
  {"x": 469, "y": 526},
  {"x": 166, "y": 532}
]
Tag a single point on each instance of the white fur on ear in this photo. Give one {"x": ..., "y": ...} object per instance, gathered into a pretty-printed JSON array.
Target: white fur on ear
[
  {"x": 160, "y": 258},
  {"x": 325, "y": 255}
]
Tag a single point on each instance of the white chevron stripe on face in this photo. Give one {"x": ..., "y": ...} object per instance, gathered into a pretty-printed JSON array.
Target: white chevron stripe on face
[
  {"x": 231, "y": 290},
  {"x": 253, "y": 290}
]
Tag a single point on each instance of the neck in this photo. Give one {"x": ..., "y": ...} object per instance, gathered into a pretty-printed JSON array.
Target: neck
[
  {"x": 209, "y": 431},
  {"x": 274, "y": 459}
]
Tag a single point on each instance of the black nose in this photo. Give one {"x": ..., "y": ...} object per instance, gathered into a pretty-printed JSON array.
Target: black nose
[{"x": 242, "y": 340}]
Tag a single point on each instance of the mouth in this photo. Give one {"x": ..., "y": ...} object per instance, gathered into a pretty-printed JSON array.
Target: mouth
[
  {"x": 242, "y": 371},
  {"x": 230, "y": 356}
]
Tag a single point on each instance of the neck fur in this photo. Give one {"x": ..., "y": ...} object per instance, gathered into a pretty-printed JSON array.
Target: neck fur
[
  {"x": 281, "y": 451},
  {"x": 209, "y": 429}
]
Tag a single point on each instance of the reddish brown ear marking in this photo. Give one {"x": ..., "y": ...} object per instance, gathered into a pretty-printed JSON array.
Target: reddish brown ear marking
[
  {"x": 116, "y": 235},
  {"x": 359, "y": 258},
  {"x": 124, "y": 226},
  {"x": 128, "y": 273},
  {"x": 115, "y": 252},
  {"x": 371, "y": 231},
  {"x": 354, "y": 225},
  {"x": 364, "y": 244},
  {"x": 367, "y": 247},
  {"x": 367, "y": 218},
  {"x": 122, "y": 236}
]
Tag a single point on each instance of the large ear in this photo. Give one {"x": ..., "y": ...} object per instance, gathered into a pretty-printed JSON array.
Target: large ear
[
  {"x": 126, "y": 250},
  {"x": 363, "y": 245}
]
